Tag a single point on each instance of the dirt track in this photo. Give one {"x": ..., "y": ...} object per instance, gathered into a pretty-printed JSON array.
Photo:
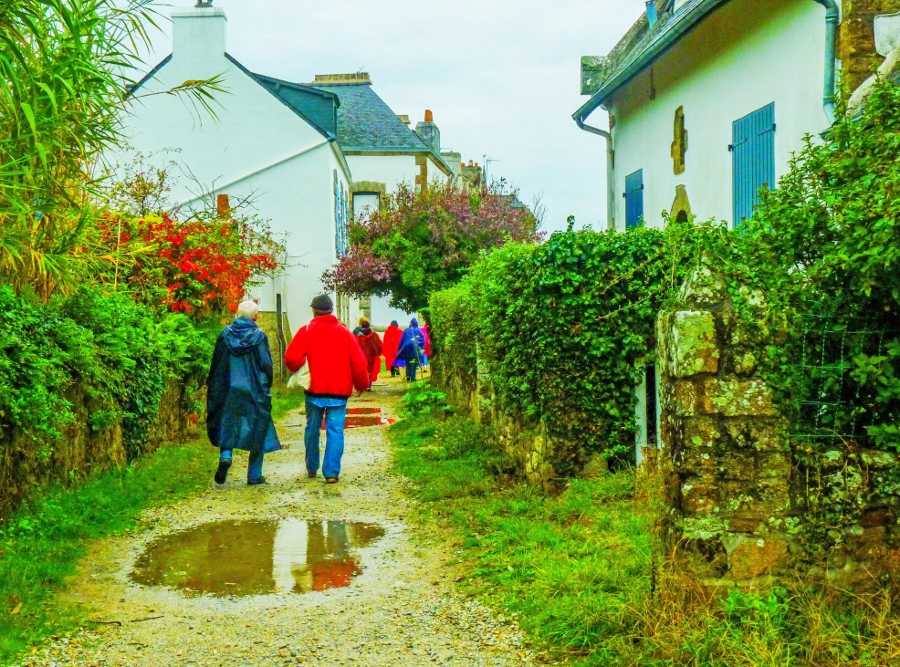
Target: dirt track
[{"x": 402, "y": 609}]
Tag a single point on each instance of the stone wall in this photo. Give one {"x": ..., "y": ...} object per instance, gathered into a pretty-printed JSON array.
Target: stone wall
[
  {"x": 738, "y": 484},
  {"x": 856, "y": 49},
  {"x": 468, "y": 388},
  {"x": 82, "y": 451}
]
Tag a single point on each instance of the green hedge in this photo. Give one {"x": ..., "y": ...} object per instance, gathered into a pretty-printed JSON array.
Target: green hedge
[
  {"x": 115, "y": 353},
  {"x": 564, "y": 329}
]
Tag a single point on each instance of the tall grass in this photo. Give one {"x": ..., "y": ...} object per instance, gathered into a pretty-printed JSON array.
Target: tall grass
[
  {"x": 42, "y": 542},
  {"x": 580, "y": 572}
]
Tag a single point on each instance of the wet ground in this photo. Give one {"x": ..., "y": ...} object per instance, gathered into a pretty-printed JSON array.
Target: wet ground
[{"x": 292, "y": 572}]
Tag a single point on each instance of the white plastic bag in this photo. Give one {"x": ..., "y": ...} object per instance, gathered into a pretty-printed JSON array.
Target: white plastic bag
[{"x": 300, "y": 379}]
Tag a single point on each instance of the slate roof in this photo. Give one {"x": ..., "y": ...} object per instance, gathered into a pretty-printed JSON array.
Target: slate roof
[
  {"x": 366, "y": 123},
  {"x": 643, "y": 44}
]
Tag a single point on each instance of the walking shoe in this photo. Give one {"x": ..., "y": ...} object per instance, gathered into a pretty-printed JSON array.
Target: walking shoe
[
  {"x": 258, "y": 480},
  {"x": 222, "y": 471},
  {"x": 311, "y": 475},
  {"x": 331, "y": 480}
]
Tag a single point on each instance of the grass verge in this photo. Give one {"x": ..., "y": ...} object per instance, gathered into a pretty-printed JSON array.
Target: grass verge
[
  {"x": 575, "y": 569},
  {"x": 42, "y": 542}
]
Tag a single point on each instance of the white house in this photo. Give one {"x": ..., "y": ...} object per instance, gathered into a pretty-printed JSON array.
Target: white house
[
  {"x": 383, "y": 152},
  {"x": 308, "y": 156},
  {"x": 708, "y": 99},
  {"x": 273, "y": 142}
]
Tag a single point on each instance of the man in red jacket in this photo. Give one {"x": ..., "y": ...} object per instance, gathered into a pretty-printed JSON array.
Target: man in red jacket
[{"x": 337, "y": 365}]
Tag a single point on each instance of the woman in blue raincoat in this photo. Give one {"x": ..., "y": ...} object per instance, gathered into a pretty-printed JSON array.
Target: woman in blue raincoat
[
  {"x": 239, "y": 396},
  {"x": 412, "y": 345}
]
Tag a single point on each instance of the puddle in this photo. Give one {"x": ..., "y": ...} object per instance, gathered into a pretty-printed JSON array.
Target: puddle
[
  {"x": 257, "y": 557},
  {"x": 363, "y": 417}
]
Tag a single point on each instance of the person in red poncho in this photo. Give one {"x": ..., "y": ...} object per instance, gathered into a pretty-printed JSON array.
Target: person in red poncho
[
  {"x": 390, "y": 347},
  {"x": 371, "y": 346}
]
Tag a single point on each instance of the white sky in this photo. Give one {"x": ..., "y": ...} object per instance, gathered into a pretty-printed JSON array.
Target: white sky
[{"x": 501, "y": 76}]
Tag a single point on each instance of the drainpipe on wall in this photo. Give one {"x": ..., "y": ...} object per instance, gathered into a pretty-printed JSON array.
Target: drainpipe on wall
[
  {"x": 610, "y": 171},
  {"x": 832, "y": 21}
]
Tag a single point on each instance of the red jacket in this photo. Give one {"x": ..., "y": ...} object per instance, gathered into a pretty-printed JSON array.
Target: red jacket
[{"x": 336, "y": 362}]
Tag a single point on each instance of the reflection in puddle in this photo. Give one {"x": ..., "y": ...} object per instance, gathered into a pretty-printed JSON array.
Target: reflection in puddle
[
  {"x": 361, "y": 417},
  {"x": 256, "y": 557}
]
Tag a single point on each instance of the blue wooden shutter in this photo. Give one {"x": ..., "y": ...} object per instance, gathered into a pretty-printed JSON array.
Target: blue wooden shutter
[
  {"x": 634, "y": 198},
  {"x": 752, "y": 159}
]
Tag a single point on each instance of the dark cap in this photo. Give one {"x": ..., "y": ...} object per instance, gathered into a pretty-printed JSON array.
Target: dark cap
[{"x": 322, "y": 302}]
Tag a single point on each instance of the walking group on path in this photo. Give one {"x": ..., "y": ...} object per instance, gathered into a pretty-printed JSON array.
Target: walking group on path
[{"x": 239, "y": 396}]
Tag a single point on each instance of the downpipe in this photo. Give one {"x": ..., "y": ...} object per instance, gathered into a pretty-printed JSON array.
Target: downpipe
[
  {"x": 832, "y": 21},
  {"x": 610, "y": 171}
]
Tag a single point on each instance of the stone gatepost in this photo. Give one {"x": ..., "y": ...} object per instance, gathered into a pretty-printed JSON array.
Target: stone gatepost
[{"x": 727, "y": 444}]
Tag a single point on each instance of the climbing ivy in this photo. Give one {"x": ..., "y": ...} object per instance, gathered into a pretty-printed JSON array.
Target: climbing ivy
[
  {"x": 564, "y": 329},
  {"x": 111, "y": 348}
]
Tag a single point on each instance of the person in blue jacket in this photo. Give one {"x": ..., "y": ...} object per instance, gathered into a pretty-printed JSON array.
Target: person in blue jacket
[
  {"x": 412, "y": 346},
  {"x": 239, "y": 395}
]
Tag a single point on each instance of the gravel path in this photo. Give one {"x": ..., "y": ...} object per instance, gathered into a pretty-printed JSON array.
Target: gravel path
[{"x": 401, "y": 610}]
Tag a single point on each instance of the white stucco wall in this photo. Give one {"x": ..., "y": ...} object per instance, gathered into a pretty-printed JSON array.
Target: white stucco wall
[
  {"x": 746, "y": 55},
  {"x": 256, "y": 148}
]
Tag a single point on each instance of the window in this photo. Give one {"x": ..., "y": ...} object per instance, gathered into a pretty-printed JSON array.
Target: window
[
  {"x": 365, "y": 204},
  {"x": 752, "y": 159},
  {"x": 634, "y": 199}
]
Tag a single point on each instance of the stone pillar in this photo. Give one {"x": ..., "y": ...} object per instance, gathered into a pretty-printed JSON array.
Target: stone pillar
[
  {"x": 725, "y": 440},
  {"x": 856, "y": 50}
]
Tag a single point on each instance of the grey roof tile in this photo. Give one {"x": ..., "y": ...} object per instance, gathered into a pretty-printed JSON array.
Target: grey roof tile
[{"x": 365, "y": 122}]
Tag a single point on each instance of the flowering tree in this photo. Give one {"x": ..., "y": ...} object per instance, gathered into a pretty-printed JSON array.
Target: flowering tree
[
  {"x": 424, "y": 241},
  {"x": 201, "y": 266}
]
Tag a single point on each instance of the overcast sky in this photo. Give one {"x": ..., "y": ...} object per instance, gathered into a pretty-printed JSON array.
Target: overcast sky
[{"x": 501, "y": 76}]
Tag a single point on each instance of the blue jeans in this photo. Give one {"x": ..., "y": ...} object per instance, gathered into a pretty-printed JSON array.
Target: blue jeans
[
  {"x": 333, "y": 410},
  {"x": 411, "y": 367},
  {"x": 254, "y": 468}
]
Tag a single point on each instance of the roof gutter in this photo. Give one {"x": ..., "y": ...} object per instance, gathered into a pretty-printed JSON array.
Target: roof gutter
[
  {"x": 610, "y": 171},
  {"x": 832, "y": 21},
  {"x": 676, "y": 27}
]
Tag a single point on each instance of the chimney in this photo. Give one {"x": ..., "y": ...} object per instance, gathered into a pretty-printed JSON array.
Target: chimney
[
  {"x": 652, "y": 14},
  {"x": 429, "y": 132},
  {"x": 403, "y": 117},
  {"x": 198, "y": 39}
]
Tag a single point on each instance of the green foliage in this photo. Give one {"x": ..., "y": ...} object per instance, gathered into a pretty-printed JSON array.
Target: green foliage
[
  {"x": 42, "y": 542},
  {"x": 113, "y": 349},
  {"x": 423, "y": 401},
  {"x": 574, "y": 570},
  {"x": 563, "y": 329},
  {"x": 61, "y": 63}
]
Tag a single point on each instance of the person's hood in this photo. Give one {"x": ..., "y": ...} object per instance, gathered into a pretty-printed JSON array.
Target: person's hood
[
  {"x": 414, "y": 323},
  {"x": 242, "y": 335},
  {"x": 394, "y": 323}
]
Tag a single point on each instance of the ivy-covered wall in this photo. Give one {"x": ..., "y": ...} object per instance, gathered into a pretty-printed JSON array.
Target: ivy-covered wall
[
  {"x": 90, "y": 382},
  {"x": 546, "y": 342}
]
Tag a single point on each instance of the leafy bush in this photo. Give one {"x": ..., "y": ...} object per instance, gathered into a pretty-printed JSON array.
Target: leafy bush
[
  {"x": 423, "y": 401},
  {"x": 116, "y": 351},
  {"x": 564, "y": 330},
  {"x": 423, "y": 240}
]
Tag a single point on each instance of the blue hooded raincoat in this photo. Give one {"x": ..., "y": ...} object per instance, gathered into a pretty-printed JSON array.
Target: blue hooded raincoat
[
  {"x": 239, "y": 397},
  {"x": 412, "y": 343}
]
